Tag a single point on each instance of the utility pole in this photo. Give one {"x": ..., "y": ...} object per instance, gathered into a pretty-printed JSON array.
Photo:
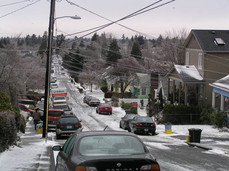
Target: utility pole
[{"x": 48, "y": 66}]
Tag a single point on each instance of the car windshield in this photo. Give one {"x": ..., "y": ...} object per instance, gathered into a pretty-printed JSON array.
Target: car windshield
[
  {"x": 63, "y": 107},
  {"x": 59, "y": 98},
  {"x": 55, "y": 113},
  {"x": 110, "y": 145},
  {"x": 144, "y": 119},
  {"x": 69, "y": 120},
  {"x": 130, "y": 116},
  {"x": 105, "y": 105}
]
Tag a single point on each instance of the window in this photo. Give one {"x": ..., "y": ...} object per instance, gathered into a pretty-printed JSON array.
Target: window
[
  {"x": 187, "y": 58},
  {"x": 143, "y": 91},
  {"x": 219, "y": 41},
  {"x": 68, "y": 145},
  {"x": 200, "y": 56}
]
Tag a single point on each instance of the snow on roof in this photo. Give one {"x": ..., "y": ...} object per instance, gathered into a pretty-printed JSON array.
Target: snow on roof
[
  {"x": 188, "y": 73},
  {"x": 222, "y": 83}
]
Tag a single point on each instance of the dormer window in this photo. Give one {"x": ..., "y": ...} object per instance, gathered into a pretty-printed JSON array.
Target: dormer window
[{"x": 219, "y": 41}]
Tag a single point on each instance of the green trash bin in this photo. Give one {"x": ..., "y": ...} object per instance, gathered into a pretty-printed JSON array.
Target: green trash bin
[{"x": 195, "y": 135}]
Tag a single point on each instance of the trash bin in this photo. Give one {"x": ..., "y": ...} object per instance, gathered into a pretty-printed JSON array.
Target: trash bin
[
  {"x": 195, "y": 135},
  {"x": 168, "y": 128},
  {"x": 40, "y": 127}
]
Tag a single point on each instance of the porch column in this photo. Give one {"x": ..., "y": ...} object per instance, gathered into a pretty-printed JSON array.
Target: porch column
[
  {"x": 174, "y": 91},
  {"x": 179, "y": 98},
  {"x": 169, "y": 97},
  {"x": 185, "y": 94},
  {"x": 213, "y": 99},
  {"x": 222, "y": 103}
]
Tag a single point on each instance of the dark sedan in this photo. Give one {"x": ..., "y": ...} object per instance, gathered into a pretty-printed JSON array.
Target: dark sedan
[
  {"x": 142, "y": 125},
  {"x": 67, "y": 125},
  {"x": 124, "y": 122},
  {"x": 104, "y": 151}
]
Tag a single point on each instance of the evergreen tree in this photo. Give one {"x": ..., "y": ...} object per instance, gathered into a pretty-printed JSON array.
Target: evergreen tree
[
  {"x": 44, "y": 44},
  {"x": 136, "y": 52},
  {"x": 113, "y": 53}
]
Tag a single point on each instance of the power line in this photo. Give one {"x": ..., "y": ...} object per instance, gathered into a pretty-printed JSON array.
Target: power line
[
  {"x": 19, "y": 9},
  {"x": 14, "y": 3},
  {"x": 138, "y": 12}
]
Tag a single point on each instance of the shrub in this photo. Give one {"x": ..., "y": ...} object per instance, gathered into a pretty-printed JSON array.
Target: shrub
[
  {"x": 205, "y": 115},
  {"x": 218, "y": 118},
  {"x": 181, "y": 114},
  {"x": 128, "y": 108},
  {"x": 8, "y": 130}
]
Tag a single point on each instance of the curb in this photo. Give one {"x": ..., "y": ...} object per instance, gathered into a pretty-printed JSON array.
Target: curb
[{"x": 199, "y": 146}]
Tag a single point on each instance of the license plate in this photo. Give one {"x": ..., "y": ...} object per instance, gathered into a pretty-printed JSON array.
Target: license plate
[
  {"x": 146, "y": 130},
  {"x": 69, "y": 127}
]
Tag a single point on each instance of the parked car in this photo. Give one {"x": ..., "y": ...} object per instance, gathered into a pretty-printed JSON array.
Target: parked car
[
  {"x": 54, "y": 85},
  {"x": 104, "y": 108},
  {"x": 86, "y": 98},
  {"x": 104, "y": 151},
  {"x": 124, "y": 122},
  {"x": 59, "y": 100},
  {"x": 25, "y": 108},
  {"x": 65, "y": 107},
  {"x": 93, "y": 102},
  {"x": 53, "y": 116},
  {"x": 142, "y": 125},
  {"x": 67, "y": 125}
]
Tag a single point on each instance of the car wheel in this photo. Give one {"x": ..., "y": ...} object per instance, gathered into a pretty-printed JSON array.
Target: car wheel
[
  {"x": 110, "y": 113},
  {"x": 120, "y": 125},
  {"x": 58, "y": 136},
  {"x": 154, "y": 133},
  {"x": 96, "y": 111}
]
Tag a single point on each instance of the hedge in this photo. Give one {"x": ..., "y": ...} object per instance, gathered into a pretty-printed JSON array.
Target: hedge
[{"x": 181, "y": 114}]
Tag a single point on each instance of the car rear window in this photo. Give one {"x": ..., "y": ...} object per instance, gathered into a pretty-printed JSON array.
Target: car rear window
[
  {"x": 69, "y": 120},
  {"x": 105, "y": 105},
  {"x": 56, "y": 113},
  {"x": 110, "y": 145}
]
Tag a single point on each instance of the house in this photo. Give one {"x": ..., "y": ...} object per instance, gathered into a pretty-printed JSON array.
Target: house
[
  {"x": 220, "y": 94},
  {"x": 206, "y": 60},
  {"x": 142, "y": 84}
]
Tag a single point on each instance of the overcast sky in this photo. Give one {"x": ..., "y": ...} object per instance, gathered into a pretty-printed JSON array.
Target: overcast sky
[{"x": 23, "y": 17}]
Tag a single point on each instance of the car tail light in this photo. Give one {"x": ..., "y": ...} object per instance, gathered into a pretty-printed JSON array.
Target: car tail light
[
  {"x": 138, "y": 124},
  {"x": 82, "y": 168},
  {"x": 153, "y": 167},
  {"x": 153, "y": 125},
  {"x": 77, "y": 124}
]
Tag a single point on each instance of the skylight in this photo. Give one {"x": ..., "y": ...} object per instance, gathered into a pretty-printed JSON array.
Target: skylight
[{"x": 219, "y": 41}]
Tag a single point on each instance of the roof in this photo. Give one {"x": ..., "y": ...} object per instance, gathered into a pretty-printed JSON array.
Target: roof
[
  {"x": 222, "y": 83},
  {"x": 211, "y": 40},
  {"x": 144, "y": 79},
  {"x": 188, "y": 73}
]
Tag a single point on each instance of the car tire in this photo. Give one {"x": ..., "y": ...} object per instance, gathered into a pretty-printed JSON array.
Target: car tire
[{"x": 58, "y": 136}]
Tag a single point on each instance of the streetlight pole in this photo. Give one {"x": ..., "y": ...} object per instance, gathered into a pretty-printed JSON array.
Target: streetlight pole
[
  {"x": 75, "y": 17},
  {"x": 48, "y": 66}
]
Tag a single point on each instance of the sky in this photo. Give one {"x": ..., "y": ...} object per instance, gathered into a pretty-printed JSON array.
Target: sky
[{"x": 23, "y": 17}]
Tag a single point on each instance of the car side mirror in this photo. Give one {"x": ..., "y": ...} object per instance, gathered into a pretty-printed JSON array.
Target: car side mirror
[{"x": 57, "y": 148}]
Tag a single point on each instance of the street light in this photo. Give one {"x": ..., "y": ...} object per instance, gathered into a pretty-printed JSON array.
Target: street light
[
  {"x": 72, "y": 17},
  {"x": 75, "y": 17}
]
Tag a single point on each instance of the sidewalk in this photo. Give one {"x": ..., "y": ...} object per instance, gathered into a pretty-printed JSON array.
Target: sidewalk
[{"x": 33, "y": 153}]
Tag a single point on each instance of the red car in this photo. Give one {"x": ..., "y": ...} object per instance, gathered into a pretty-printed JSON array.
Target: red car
[
  {"x": 53, "y": 116},
  {"x": 24, "y": 108},
  {"x": 105, "y": 108}
]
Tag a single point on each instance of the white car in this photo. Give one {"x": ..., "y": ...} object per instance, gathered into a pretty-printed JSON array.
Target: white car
[
  {"x": 59, "y": 100},
  {"x": 65, "y": 107}
]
